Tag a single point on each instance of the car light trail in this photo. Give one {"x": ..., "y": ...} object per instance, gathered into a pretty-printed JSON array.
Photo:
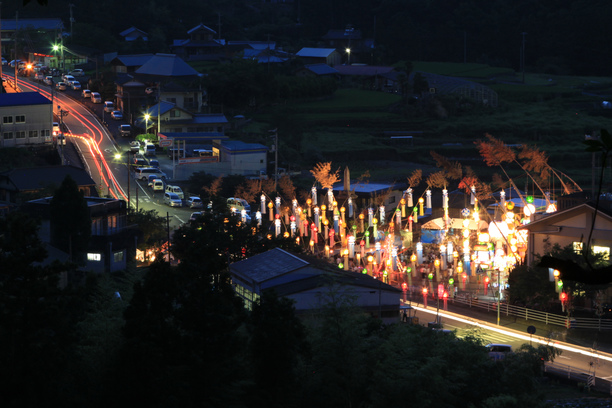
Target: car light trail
[{"x": 512, "y": 333}]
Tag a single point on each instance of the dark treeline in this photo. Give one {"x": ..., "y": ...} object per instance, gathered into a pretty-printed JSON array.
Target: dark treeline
[{"x": 558, "y": 36}]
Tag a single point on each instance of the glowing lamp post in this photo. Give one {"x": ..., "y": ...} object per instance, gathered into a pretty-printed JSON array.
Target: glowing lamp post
[
  {"x": 425, "y": 297},
  {"x": 421, "y": 211}
]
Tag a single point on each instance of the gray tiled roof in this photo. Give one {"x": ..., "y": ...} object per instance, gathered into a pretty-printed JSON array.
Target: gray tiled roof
[
  {"x": 268, "y": 265},
  {"x": 166, "y": 65}
]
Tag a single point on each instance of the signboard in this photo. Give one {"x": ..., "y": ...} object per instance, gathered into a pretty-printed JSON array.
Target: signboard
[{"x": 165, "y": 143}]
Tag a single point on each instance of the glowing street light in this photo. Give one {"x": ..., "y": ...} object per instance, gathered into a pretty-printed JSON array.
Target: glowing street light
[
  {"x": 348, "y": 52},
  {"x": 147, "y": 117}
]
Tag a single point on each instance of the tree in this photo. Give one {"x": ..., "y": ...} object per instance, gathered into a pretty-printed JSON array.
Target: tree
[
  {"x": 70, "y": 220},
  {"x": 150, "y": 225}
]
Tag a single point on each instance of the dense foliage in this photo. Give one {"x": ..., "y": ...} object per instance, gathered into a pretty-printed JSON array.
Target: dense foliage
[{"x": 180, "y": 337}]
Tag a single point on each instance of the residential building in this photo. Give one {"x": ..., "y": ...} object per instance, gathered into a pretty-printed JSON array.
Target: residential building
[
  {"x": 200, "y": 46},
  {"x": 176, "y": 119},
  {"x": 111, "y": 240},
  {"x": 133, "y": 34},
  {"x": 351, "y": 44},
  {"x": 327, "y": 56},
  {"x": 27, "y": 119},
  {"x": 312, "y": 283},
  {"x": 20, "y": 185},
  {"x": 318, "y": 70}
]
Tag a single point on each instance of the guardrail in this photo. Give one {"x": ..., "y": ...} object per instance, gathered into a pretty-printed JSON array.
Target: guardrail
[{"x": 570, "y": 322}]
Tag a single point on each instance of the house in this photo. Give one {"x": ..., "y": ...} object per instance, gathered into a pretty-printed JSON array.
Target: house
[
  {"x": 318, "y": 70},
  {"x": 175, "y": 119},
  {"x": 569, "y": 227},
  {"x": 200, "y": 46},
  {"x": 27, "y": 119},
  {"x": 311, "y": 283},
  {"x": 131, "y": 96},
  {"x": 133, "y": 34},
  {"x": 369, "y": 76},
  {"x": 228, "y": 156},
  {"x": 327, "y": 56},
  {"x": 350, "y": 41},
  {"x": 161, "y": 67},
  {"x": 128, "y": 64},
  {"x": 111, "y": 240},
  {"x": 25, "y": 182}
]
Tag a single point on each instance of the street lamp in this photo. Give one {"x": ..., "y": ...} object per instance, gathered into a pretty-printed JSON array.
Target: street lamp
[
  {"x": 348, "y": 51},
  {"x": 147, "y": 116}
]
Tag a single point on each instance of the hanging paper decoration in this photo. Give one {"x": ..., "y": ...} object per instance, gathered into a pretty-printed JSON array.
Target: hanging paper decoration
[
  {"x": 428, "y": 196},
  {"x": 410, "y": 203},
  {"x": 473, "y": 196},
  {"x": 314, "y": 195}
]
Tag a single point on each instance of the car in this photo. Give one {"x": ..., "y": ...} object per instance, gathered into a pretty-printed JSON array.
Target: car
[
  {"x": 75, "y": 85},
  {"x": 157, "y": 185},
  {"x": 149, "y": 149},
  {"x": 61, "y": 139},
  {"x": 194, "y": 202},
  {"x": 126, "y": 131},
  {"x": 172, "y": 200},
  {"x": 56, "y": 128},
  {"x": 195, "y": 215},
  {"x": 154, "y": 163},
  {"x": 14, "y": 62},
  {"x": 96, "y": 97},
  {"x": 498, "y": 351},
  {"x": 40, "y": 77},
  {"x": 77, "y": 72},
  {"x": 4, "y": 61},
  {"x": 134, "y": 145},
  {"x": 176, "y": 190},
  {"x": 117, "y": 115},
  {"x": 49, "y": 80},
  {"x": 143, "y": 173},
  {"x": 238, "y": 204},
  {"x": 86, "y": 93},
  {"x": 109, "y": 106},
  {"x": 68, "y": 78},
  {"x": 140, "y": 162},
  {"x": 60, "y": 86}
]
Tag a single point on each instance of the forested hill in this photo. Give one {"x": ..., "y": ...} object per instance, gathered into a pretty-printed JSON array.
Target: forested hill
[{"x": 561, "y": 36}]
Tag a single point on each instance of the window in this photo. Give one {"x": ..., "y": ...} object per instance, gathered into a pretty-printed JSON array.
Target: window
[
  {"x": 20, "y": 134},
  {"x": 604, "y": 251},
  {"x": 172, "y": 100},
  {"x": 20, "y": 119},
  {"x": 33, "y": 133},
  {"x": 94, "y": 257},
  {"x": 45, "y": 132},
  {"x": 7, "y": 120},
  {"x": 118, "y": 256},
  {"x": 175, "y": 113},
  {"x": 7, "y": 135},
  {"x": 577, "y": 247}
]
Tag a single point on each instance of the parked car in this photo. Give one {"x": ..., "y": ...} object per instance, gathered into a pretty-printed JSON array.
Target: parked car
[
  {"x": 498, "y": 351},
  {"x": 154, "y": 163},
  {"x": 96, "y": 97},
  {"x": 239, "y": 204},
  {"x": 195, "y": 215},
  {"x": 56, "y": 128},
  {"x": 143, "y": 173},
  {"x": 176, "y": 190},
  {"x": 172, "y": 200},
  {"x": 109, "y": 106},
  {"x": 141, "y": 162},
  {"x": 194, "y": 202},
  {"x": 60, "y": 86},
  {"x": 149, "y": 150},
  {"x": 157, "y": 185},
  {"x": 77, "y": 72},
  {"x": 68, "y": 78},
  {"x": 75, "y": 85},
  {"x": 126, "y": 131},
  {"x": 117, "y": 115},
  {"x": 49, "y": 80},
  {"x": 86, "y": 93},
  {"x": 134, "y": 145}
]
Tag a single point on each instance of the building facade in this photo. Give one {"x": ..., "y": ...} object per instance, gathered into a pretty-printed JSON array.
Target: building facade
[{"x": 27, "y": 119}]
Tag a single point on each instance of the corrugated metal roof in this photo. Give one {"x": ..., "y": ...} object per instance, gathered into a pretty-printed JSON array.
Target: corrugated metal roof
[
  {"x": 167, "y": 65},
  {"x": 23, "y": 98},
  {"x": 321, "y": 69},
  {"x": 315, "y": 52},
  {"x": 38, "y": 23},
  {"x": 268, "y": 265}
]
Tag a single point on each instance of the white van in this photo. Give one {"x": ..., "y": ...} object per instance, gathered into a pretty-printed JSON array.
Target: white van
[
  {"x": 176, "y": 190},
  {"x": 143, "y": 173},
  {"x": 96, "y": 98},
  {"x": 109, "y": 106},
  {"x": 149, "y": 150}
]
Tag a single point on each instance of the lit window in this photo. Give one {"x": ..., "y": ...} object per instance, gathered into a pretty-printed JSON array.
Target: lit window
[
  {"x": 605, "y": 251},
  {"x": 94, "y": 257},
  {"x": 118, "y": 256},
  {"x": 577, "y": 247},
  {"x": 20, "y": 119}
]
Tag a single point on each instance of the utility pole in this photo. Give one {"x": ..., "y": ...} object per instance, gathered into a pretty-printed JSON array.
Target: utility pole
[
  {"x": 275, "y": 131},
  {"x": 71, "y": 21}
]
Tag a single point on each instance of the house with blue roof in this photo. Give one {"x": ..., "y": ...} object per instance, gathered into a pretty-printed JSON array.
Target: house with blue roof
[
  {"x": 200, "y": 46},
  {"x": 175, "y": 119},
  {"x": 27, "y": 120},
  {"x": 318, "y": 70},
  {"x": 133, "y": 34}
]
